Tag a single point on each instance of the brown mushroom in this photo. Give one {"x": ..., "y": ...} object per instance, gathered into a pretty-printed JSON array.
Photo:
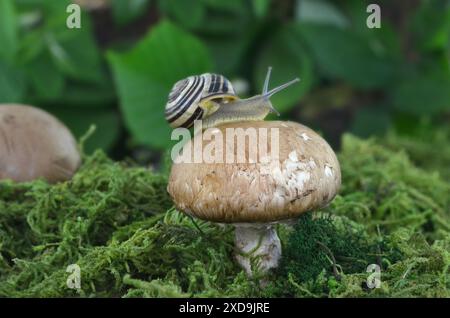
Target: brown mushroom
[
  {"x": 34, "y": 144},
  {"x": 253, "y": 196}
]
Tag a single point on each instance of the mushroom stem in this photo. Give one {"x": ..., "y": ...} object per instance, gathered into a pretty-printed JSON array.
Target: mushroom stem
[{"x": 257, "y": 245}]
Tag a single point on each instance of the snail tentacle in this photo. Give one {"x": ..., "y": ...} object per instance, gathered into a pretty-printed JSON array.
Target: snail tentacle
[
  {"x": 266, "y": 81},
  {"x": 280, "y": 88}
]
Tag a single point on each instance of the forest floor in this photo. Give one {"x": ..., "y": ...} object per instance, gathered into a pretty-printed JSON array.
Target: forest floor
[{"x": 115, "y": 221}]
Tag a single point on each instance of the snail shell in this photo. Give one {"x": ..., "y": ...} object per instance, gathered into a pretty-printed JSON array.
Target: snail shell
[{"x": 196, "y": 97}]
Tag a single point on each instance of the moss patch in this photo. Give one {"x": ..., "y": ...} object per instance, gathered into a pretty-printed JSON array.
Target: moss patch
[{"x": 115, "y": 221}]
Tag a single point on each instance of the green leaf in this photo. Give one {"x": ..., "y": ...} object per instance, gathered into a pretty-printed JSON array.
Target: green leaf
[
  {"x": 342, "y": 54},
  {"x": 88, "y": 95},
  {"x": 288, "y": 57},
  {"x": 261, "y": 7},
  {"x": 370, "y": 121},
  {"x": 77, "y": 56},
  {"x": 229, "y": 51},
  {"x": 46, "y": 5},
  {"x": 126, "y": 11},
  {"x": 46, "y": 81},
  {"x": 320, "y": 12},
  {"x": 12, "y": 84},
  {"x": 31, "y": 46},
  {"x": 9, "y": 40},
  {"x": 384, "y": 41},
  {"x": 107, "y": 124},
  {"x": 422, "y": 94},
  {"x": 225, "y": 6},
  {"x": 145, "y": 75},
  {"x": 74, "y": 51},
  {"x": 189, "y": 13},
  {"x": 431, "y": 25},
  {"x": 225, "y": 17}
]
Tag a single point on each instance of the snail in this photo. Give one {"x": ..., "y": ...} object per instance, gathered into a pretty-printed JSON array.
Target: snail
[{"x": 212, "y": 99}]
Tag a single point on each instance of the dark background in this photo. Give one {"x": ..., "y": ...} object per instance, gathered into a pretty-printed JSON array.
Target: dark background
[{"x": 116, "y": 71}]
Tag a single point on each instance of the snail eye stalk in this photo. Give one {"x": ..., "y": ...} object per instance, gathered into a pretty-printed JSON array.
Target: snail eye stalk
[
  {"x": 266, "y": 93},
  {"x": 280, "y": 88},
  {"x": 266, "y": 82}
]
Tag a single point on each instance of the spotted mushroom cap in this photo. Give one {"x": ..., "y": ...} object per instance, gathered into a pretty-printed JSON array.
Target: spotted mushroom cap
[
  {"x": 305, "y": 177},
  {"x": 34, "y": 144}
]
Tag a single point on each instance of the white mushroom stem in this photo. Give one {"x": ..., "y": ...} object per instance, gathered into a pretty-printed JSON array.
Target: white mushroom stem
[{"x": 257, "y": 245}]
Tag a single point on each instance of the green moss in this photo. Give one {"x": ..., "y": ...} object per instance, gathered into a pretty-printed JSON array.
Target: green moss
[
  {"x": 115, "y": 221},
  {"x": 389, "y": 213},
  {"x": 338, "y": 245},
  {"x": 383, "y": 188},
  {"x": 429, "y": 148}
]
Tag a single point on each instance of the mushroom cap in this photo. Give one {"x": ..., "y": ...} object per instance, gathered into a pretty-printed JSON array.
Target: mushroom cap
[
  {"x": 305, "y": 176},
  {"x": 34, "y": 144}
]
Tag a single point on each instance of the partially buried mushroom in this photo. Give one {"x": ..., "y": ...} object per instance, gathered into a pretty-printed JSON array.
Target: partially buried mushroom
[
  {"x": 303, "y": 175},
  {"x": 34, "y": 144}
]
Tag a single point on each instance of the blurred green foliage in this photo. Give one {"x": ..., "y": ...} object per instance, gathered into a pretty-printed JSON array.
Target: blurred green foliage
[
  {"x": 62, "y": 70},
  {"x": 121, "y": 82},
  {"x": 169, "y": 54}
]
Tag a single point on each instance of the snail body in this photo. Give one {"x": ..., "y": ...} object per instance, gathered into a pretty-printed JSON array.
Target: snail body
[{"x": 211, "y": 98}]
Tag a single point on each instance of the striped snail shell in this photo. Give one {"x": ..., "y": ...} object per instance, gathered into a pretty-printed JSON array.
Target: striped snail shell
[{"x": 196, "y": 97}]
